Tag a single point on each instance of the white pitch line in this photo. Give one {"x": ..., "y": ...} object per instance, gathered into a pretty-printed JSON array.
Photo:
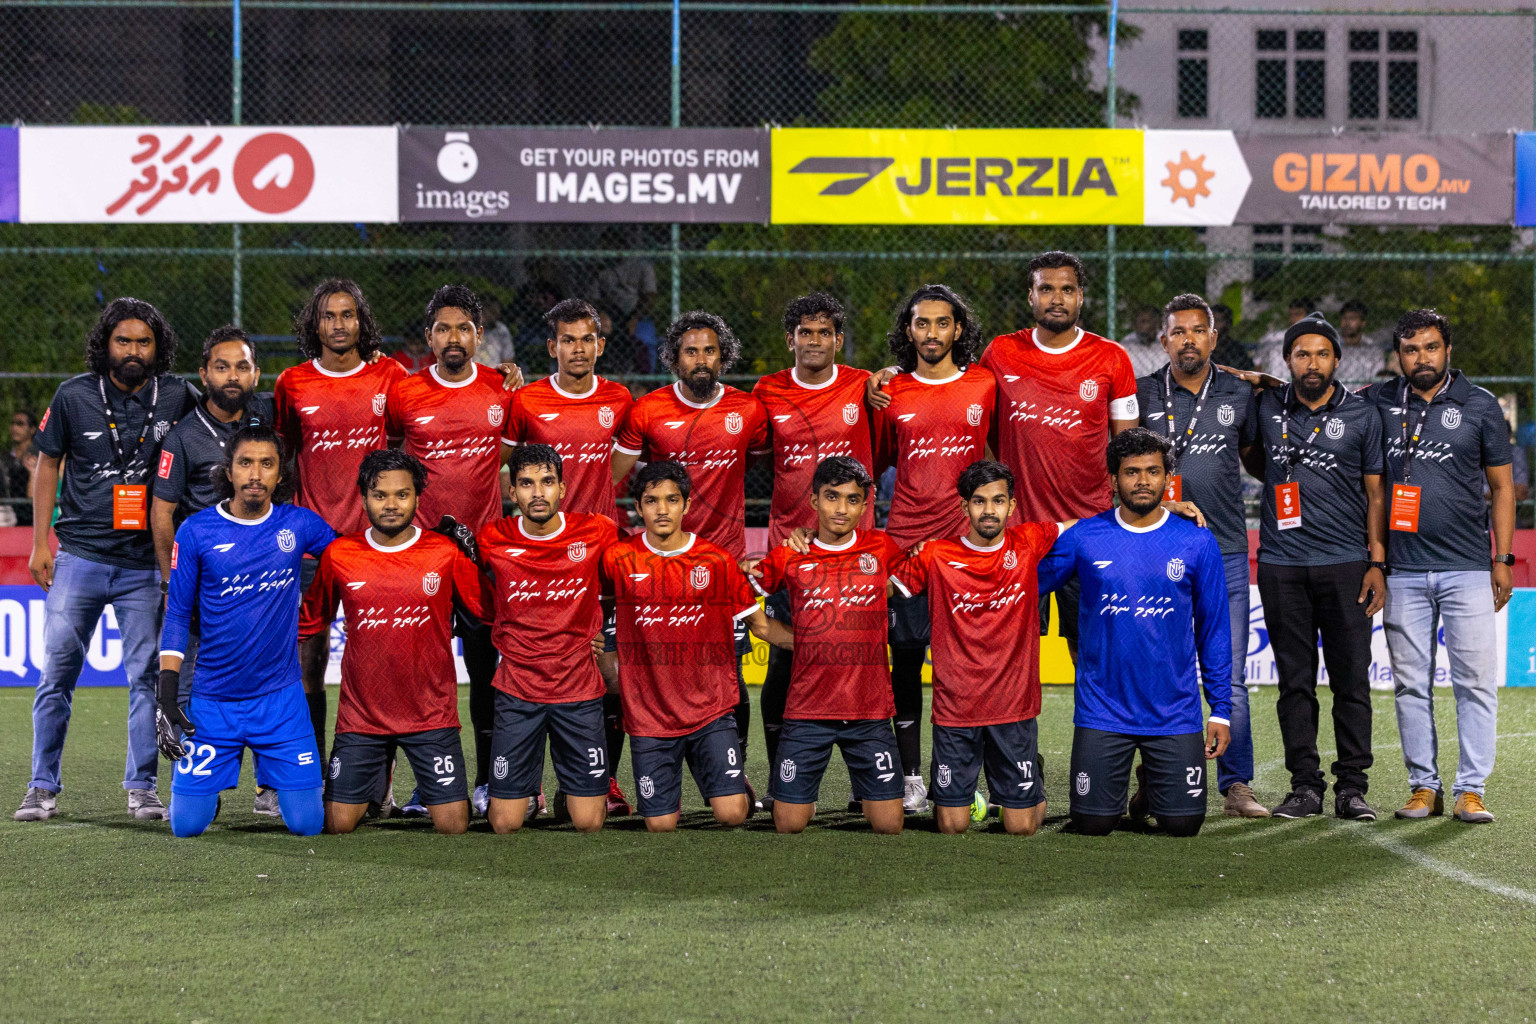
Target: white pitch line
[{"x": 1418, "y": 857}]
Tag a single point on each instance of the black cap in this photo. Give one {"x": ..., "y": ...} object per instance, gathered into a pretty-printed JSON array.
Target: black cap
[{"x": 1312, "y": 323}]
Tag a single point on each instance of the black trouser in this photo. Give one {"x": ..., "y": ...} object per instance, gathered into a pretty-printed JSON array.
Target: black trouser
[
  {"x": 1301, "y": 602},
  {"x": 480, "y": 660}
]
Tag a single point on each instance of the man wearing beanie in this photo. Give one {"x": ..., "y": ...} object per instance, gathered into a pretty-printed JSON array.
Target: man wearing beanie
[{"x": 1322, "y": 562}]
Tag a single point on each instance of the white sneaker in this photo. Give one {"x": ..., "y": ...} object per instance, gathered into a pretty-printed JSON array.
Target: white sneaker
[
  {"x": 145, "y": 805},
  {"x": 480, "y": 800},
  {"x": 914, "y": 799},
  {"x": 39, "y": 805}
]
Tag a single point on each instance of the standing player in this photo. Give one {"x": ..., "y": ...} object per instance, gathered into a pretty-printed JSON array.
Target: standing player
[
  {"x": 816, "y": 410},
  {"x": 986, "y": 654},
  {"x": 1154, "y": 607},
  {"x": 578, "y": 414},
  {"x": 1062, "y": 393},
  {"x": 937, "y": 423},
  {"x": 677, "y": 599},
  {"x": 841, "y": 691},
  {"x": 238, "y": 565},
  {"x": 453, "y": 418},
  {"x": 546, "y": 565},
  {"x": 330, "y": 413},
  {"x": 710, "y": 428},
  {"x": 397, "y": 585},
  {"x": 1210, "y": 417}
]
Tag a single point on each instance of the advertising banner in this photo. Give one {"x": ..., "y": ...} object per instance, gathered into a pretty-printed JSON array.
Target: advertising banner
[
  {"x": 1525, "y": 178},
  {"x": 207, "y": 175},
  {"x": 1193, "y": 177},
  {"x": 578, "y": 175},
  {"x": 964, "y": 176},
  {"x": 1378, "y": 179}
]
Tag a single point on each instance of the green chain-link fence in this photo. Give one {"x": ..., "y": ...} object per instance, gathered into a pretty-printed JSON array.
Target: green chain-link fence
[{"x": 458, "y": 64}]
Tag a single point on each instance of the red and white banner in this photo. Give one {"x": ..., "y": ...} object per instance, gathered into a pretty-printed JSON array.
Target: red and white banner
[{"x": 207, "y": 175}]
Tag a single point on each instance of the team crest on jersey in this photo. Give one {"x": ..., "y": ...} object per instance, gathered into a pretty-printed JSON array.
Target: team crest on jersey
[
  {"x": 943, "y": 776},
  {"x": 868, "y": 564},
  {"x": 973, "y": 414},
  {"x": 1451, "y": 418},
  {"x": 605, "y": 417},
  {"x": 378, "y": 403},
  {"x": 733, "y": 423},
  {"x": 162, "y": 428},
  {"x": 494, "y": 415},
  {"x": 1088, "y": 390},
  {"x": 335, "y": 767},
  {"x": 1010, "y": 561},
  {"x": 851, "y": 413},
  {"x": 1082, "y": 784},
  {"x": 1175, "y": 569},
  {"x": 1335, "y": 429},
  {"x": 1226, "y": 415},
  {"x": 286, "y": 540},
  {"x": 699, "y": 577},
  {"x": 647, "y": 787},
  {"x": 787, "y": 771},
  {"x": 576, "y": 550},
  {"x": 430, "y": 582},
  {"x": 499, "y": 768}
]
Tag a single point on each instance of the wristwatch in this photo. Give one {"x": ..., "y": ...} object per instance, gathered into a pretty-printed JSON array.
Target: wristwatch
[
  {"x": 1383, "y": 566},
  {"x": 165, "y": 586},
  {"x": 1504, "y": 559}
]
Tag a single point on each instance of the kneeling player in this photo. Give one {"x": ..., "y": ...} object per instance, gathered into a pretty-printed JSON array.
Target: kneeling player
[
  {"x": 237, "y": 563},
  {"x": 986, "y": 659},
  {"x": 1154, "y": 598},
  {"x": 840, "y": 687},
  {"x": 677, "y": 598},
  {"x": 546, "y": 565},
  {"x": 396, "y": 584}
]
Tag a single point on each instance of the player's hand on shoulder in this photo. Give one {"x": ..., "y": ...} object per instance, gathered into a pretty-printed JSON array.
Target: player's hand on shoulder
[
  {"x": 874, "y": 388},
  {"x": 799, "y": 540},
  {"x": 1257, "y": 378},
  {"x": 511, "y": 376},
  {"x": 461, "y": 535},
  {"x": 749, "y": 567},
  {"x": 1187, "y": 509}
]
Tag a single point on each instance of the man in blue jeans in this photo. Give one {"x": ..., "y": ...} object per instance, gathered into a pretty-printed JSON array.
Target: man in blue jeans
[
  {"x": 1209, "y": 416},
  {"x": 104, "y": 428},
  {"x": 1444, "y": 437}
]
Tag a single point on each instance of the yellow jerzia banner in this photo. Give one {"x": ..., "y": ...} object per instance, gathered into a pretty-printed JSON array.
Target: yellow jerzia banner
[{"x": 964, "y": 176}]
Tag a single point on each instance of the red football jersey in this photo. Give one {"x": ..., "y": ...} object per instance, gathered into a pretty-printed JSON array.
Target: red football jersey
[
  {"x": 837, "y": 599},
  {"x": 329, "y": 421},
  {"x": 1053, "y": 420},
  {"x": 810, "y": 423},
  {"x": 931, "y": 431},
  {"x": 675, "y": 612},
  {"x": 547, "y": 605},
  {"x": 713, "y": 440},
  {"x": 456, "y": 430},
  {"x": 984, "y": 607},
  {"x": 581, "y": 428},
  {"x": 397, "y": 672}
]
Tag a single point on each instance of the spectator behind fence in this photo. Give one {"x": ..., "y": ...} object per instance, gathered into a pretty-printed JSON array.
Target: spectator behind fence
[
  {"x": 496, "y": 344},
  {"x": 1367, "y": 357},
  {"x": 16, "y": 464},
  {"x": 103, "y": 430},
  {"x": 1230, "y": 351},
  {"x": 1142, "y": 343},
  {"x": 413, "y": 353},
  {"x": 1268, "y": 354}
]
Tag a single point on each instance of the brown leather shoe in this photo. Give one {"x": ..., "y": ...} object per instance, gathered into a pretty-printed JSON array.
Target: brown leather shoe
[
  {"x": 1240, "y": 803},
  {"x": 1423, "y": 803},
  {"x": 1469, "y": 808}
]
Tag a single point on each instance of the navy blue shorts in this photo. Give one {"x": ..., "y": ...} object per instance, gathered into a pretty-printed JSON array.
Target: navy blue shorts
[
  {"x": 1009, "y": 752},
  {"x": 909, "y": 625},
  {"x": 1067, "y": 597},
  {"x": 743, "y": 638},
  {"x": 360, "y": 762},
  {"x": 776, "y": 606},
  {"x": 713, "y": 757},
  {"x": 275, "y": 726},
  {"x": 576, "y": 744},
  {"x": 869, "y": 751},
  {"x": 1101, "y": 772},
  {"x": 610, "y": 632}
]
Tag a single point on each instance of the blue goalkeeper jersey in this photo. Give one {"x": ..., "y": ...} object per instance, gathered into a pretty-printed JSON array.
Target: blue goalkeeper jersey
[
  {"x": 1153, "y": 614},
  {"x": 242, "y": 576}
]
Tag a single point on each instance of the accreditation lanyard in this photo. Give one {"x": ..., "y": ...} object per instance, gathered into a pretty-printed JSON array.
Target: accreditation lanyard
[
  {"x": 1293, "y": 451},
  {"x": 1410, "y": 443},
  {"x": 1182, "y": 442},
  {"x": 213, "y": 433},
  {"x": 120, "y": 457}
]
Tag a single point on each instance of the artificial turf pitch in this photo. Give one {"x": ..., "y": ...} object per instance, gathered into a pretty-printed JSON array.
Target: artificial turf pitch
[{"x": 109, "y": 919}]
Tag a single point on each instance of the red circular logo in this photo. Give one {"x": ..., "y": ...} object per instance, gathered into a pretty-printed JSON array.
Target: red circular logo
[{"x": 273, "y": 173}]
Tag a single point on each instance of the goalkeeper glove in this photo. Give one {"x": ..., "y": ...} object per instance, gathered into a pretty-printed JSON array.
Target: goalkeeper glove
[
  {"x": 171, "y": 723},
  {"x": 461, "y": 535}
]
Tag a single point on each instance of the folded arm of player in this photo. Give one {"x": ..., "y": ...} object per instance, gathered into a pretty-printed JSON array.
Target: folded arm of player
[{"x": 770, "y": 630}]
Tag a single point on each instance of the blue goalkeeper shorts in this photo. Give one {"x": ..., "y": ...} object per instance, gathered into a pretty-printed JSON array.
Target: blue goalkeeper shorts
[{"x": 275, "y": 726}]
